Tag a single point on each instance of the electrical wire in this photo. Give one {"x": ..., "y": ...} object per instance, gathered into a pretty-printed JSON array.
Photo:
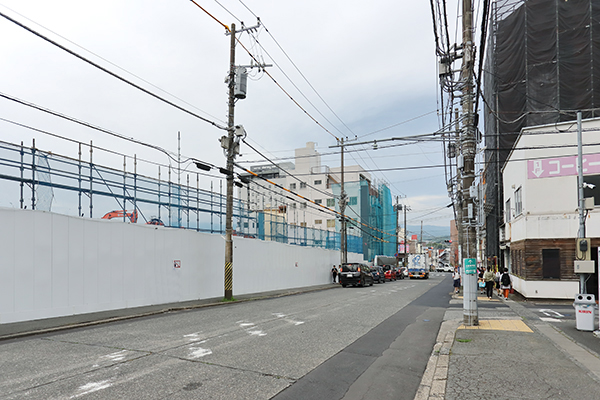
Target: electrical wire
[{"x": 113, "y": 74}]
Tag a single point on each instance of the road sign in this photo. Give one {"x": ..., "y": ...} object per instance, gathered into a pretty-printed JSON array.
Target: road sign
[{"x": 470, "y": 265}]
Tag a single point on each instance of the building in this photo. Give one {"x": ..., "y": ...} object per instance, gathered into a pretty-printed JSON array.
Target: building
[
  {"x": 541, "y": 221},
  {"x": 542, "y": 64},
  {"x": 371, "y": 226}
]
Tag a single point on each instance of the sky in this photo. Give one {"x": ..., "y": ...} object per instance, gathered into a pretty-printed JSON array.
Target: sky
[{"x": 356, "y": 68}]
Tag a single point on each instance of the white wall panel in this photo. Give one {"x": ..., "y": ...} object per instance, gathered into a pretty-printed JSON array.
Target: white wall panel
[
  {"x": 55, "y": 265},
  {"x": 59, "y": 280},
  {"x": 8, "y": 263},
  {"x": 24, "y": 259},
  {"x": 76, "y": 260}
]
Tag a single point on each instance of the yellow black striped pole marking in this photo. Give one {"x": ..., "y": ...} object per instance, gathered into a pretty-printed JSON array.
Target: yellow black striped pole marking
[{"x": 228, "y": 276}]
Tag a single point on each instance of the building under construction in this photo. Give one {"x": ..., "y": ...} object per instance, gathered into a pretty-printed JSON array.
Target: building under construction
[{"x": 542, "y": 66}]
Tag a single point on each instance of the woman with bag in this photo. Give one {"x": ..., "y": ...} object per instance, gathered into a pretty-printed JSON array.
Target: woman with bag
[
  {"x": 505, "y": 283},
  {"x": 488, "y": 278}
]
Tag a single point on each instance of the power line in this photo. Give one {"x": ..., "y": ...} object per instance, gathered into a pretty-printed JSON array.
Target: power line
[{"x": 73, "y": 53}]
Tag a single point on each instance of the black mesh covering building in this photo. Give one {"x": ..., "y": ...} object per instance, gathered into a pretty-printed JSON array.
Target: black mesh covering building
[{"x": 542, "y": 66}]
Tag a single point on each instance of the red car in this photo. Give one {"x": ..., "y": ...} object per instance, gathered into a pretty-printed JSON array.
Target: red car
[{"x": 390, "y": 273}]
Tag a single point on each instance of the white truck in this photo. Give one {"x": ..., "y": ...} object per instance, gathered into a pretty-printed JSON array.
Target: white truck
[{"x": 417, "y": 267}]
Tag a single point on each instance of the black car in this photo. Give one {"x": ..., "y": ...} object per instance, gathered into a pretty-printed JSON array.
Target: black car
[
  {"x": 378, "y": 274},
  {"x": 355, "y": 274}
]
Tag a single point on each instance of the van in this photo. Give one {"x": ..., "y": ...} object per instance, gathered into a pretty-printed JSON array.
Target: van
[{"x": 355, "y": 274}]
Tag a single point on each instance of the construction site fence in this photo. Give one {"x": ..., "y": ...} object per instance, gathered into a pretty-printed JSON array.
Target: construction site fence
[{"x": 40, "y": 180}]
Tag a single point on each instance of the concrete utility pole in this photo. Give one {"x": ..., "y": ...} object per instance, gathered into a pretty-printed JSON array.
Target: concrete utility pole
[
  {"x": 397, "y": 232},
  {"x": 406, "y": 246},
  {"x": 580, "y": 195},
  {"x": 470, "y": 313},
  {"x": 421, "y": 239},
  {"x": 230, "y": 158},
  {"x": 459, "y": 211},
  {"x": 343, "y": 201}
]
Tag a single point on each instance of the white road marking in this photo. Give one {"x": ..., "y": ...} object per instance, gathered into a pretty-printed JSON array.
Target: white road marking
[
  {"x": 197, "y": 352},
  {"x": 551, "y": 313},
  {"x": 545, "y": 319},
  {"x": 92, "y": 387}
]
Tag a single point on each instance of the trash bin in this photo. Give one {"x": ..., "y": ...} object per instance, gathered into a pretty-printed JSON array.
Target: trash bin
[{"x": 585, "y": 311}]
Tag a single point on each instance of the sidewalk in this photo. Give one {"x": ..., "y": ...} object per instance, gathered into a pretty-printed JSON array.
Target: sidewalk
[{"x": 512, "y": 354}]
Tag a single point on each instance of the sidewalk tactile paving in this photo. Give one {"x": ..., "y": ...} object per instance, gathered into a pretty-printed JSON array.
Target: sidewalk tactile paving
[{"x": 513, "y": 325}]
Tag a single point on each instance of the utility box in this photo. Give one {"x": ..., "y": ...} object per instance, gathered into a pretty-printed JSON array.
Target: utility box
[
  {"x": 585, "y": 312},
  {"x": 584, "y": 266},
  {"x": 583, "y": 249},
  {"x": 241, "y": 81}
]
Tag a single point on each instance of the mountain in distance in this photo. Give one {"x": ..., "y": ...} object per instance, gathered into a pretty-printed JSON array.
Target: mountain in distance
[{"x": 430, "y": 232}]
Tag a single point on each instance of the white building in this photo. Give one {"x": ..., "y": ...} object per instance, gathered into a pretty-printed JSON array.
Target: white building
[
  {"x": 306, "y": 177},
  {"x": 541, "y": 219}
]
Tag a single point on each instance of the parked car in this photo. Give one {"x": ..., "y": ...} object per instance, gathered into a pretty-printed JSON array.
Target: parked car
[
  {"x": 355, "y": 274},
  {"x": 390, "y": 275},
  {"x": 404, "y": 271},
  {"x": 399, "y": 273},
  {"x": 448, "y": 268},
  {"x": 378, "y": 274},
  {"x": 418, "y": 273}
]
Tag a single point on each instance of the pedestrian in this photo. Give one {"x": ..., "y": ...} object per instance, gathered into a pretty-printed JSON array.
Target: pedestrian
[
  {"x": 488, "y": 278},
  {"x": 505, "y": 283},
  {"x": 334, "y": 273},
  {"x": 456, "y": 279},
  {"x": 497, "y": 280}
]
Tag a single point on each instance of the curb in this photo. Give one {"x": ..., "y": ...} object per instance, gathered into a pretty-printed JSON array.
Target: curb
[
  {"x": 433, "y": 383},
  {"x": 204, "y": 303}
]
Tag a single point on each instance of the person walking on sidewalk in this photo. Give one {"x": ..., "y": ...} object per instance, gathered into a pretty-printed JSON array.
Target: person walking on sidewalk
[
  {"x": 456, "y": 278},
  {"x": 505, "y": 283},
  {"x": 334, "y": 273},
  {"x": 497, "y": 280},
  {"x": 488, "y": 278}
]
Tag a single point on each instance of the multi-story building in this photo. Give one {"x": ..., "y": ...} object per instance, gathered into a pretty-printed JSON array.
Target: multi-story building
[
  {"x": 542, "y": 64},
  {"x": 541, "y": 219},
  {"x": 311, "y": 199}
]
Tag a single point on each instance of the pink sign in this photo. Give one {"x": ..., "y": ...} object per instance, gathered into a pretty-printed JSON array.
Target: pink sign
[{"x": 562, "y": 166}]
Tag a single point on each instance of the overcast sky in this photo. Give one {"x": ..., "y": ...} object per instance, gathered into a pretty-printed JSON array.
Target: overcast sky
[{"x": 372, "y": 62}]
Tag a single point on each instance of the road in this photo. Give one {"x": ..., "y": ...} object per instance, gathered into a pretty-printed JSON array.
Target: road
[{"x": 339, "y": 343}]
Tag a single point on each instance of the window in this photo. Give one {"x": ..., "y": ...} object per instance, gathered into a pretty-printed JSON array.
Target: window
[
  {"x": 588, "y": 191},
  {"x": 551, "y": 263},
  {"x": 518, "y": 202},
  {"x": 507, "y": 211},
  {"x": 302, "y": 185},
  {"x": 302, "y": 205},
  {"x": 292, "y": 186},
  {"x": 318, "y": 201},
  {"x": 331, "y": 223},
  {"x": 293, "y": 205},
  {"x": 353, "y": 201},
  {"x": 303, "y": 224},
  {"x": 318, "y": 182},
  {"x": 330, "y": 202},
  {"x": 318, "y": 221}
]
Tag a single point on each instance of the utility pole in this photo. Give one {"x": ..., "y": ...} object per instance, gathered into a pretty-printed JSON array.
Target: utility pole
[
  {"x": 230, "y": 157},
  {"x": 459, "y": 204},
  {"x": 343, "y": 200},
  {"x": 231, "y": 143},
  {"x": 421, "y": 239},
  {"x": 406, "y": 246},
  {"x": 581, "y": 232},
  {"x": 470, "y": 314},
  {"x": 397, "y": 232}
]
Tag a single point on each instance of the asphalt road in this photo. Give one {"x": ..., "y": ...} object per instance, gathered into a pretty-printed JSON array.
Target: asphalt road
[{"x": 383, "y": 335}]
